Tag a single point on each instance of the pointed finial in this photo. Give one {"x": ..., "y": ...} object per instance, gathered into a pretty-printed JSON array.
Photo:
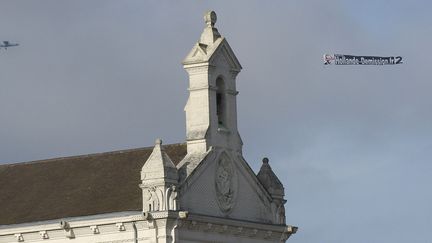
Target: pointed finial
[
  {"x": 210, "y": 18},
  {"x": 265, "y": 160},
  {"x": 158, "y": 141}
]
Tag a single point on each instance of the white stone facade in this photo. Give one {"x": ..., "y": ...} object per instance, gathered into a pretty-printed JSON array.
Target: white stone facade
[{"x": 212, "y": 195}]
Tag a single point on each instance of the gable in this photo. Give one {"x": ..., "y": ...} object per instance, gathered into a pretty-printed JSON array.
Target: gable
[
  {"x": 223, "y": 55},
  {"x": 219, "y": 53},
  {"x": 225, "y": 186},
  {"x": 75, "y": 186}
]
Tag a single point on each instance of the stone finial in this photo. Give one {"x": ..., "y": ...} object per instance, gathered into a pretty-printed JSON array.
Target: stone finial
[
  {"x": 265, "y": 160},
  {"x": 210, "y": 34},
  {"x": 210, "y": 18},
  {"x": 158, "y": 142}
]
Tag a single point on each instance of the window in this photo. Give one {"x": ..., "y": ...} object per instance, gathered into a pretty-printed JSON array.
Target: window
[{"x": 220, "y": 102}]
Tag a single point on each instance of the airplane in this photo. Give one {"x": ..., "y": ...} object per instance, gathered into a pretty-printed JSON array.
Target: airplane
[{"x": 7, "y": 44}]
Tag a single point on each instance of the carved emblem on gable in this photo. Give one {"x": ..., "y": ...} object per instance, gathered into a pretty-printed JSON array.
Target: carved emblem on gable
[{"x": 226, "y": 184}]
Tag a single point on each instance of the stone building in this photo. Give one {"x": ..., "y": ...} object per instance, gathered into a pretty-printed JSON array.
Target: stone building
[{"x": 202, "y": 190}]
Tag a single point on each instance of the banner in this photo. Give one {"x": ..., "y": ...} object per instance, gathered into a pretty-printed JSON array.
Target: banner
[{"x": 339, "y": 59}]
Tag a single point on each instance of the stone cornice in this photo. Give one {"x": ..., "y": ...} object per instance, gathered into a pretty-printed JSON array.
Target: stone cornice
[
  {"x": 232, "y": 92},
  {"x": 205, "y": 87},
  {"x": 197, "y": 68},
  {"x": 118, "y": 223},
  {"x": 74, "y": 222},
  {"x": 239, "y": 228},
  {"x": 236, "y": 223}
]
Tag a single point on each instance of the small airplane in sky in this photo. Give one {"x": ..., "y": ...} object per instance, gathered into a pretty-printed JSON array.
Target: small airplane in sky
[{"x": 7, "y": 44}]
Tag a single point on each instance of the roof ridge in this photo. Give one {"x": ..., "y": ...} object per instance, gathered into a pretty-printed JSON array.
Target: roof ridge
[{"x": 83, "y": 155}]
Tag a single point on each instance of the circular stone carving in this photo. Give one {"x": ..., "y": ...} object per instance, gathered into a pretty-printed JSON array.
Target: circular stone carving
[{"x": 226, "y": 184}]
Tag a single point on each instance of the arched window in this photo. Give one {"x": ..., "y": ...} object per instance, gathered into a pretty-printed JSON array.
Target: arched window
[{"x": 220, "y": 102}]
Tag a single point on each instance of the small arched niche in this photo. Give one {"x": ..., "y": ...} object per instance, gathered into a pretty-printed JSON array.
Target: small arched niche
[{"x": 221, "y": 103}]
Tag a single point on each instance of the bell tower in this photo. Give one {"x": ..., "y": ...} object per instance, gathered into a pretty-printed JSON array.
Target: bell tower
[{"x": 211, "y": 109}]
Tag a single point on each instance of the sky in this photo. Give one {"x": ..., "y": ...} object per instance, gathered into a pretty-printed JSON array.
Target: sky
[{"x": 352, "y": 144}]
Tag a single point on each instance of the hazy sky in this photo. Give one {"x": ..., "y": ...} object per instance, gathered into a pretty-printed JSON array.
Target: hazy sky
[{"x": 352, "y": 144}]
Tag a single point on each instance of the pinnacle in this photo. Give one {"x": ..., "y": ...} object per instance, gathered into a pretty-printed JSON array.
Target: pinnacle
[{"x": 210, "y": 33}]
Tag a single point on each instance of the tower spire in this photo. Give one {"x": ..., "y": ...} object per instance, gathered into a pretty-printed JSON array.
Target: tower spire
[{"x": 211, "y": 109}]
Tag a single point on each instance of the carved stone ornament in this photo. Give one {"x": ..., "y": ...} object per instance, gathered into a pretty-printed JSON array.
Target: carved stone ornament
[
  {"x": 44, "y": 234},
  {"x": 226, "y": 184},
  {"x": 19, "y": 237},
  {"x": 151, "y": 199}
]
